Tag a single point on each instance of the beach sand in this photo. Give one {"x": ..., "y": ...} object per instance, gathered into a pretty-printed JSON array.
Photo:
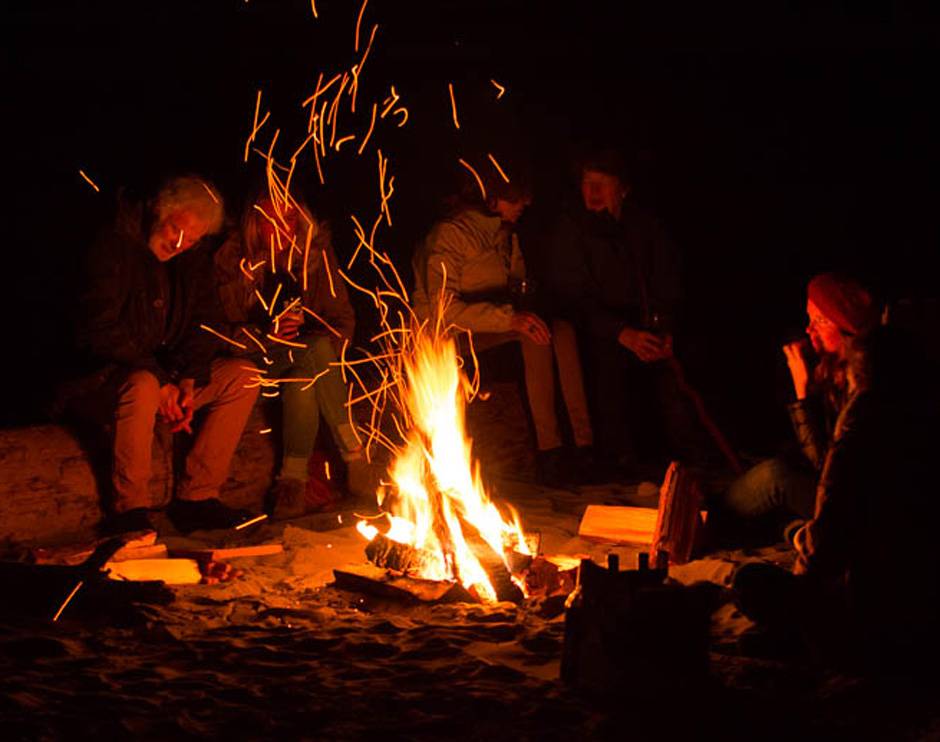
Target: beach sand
[{"x": 280, "y": 652}]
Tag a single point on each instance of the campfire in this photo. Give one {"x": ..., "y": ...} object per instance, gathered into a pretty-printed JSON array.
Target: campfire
[{"x": 439, "y": 521}]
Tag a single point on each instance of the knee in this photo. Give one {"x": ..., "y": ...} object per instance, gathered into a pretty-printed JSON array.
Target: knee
[
  {"x": 316, "y": 357},
  {"x": 321, "y": 349},
  {"x": 238, "y": 377},
  {"x": 762, "y": 481},
  {"x": 140, "y": 388}
]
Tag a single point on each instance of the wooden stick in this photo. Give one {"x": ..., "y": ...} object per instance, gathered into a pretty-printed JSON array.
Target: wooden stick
[{"x": 704, "y": 417}]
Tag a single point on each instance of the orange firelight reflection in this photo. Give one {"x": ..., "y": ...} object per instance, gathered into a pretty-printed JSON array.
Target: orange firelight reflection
[{"x": 437, "y": 488}]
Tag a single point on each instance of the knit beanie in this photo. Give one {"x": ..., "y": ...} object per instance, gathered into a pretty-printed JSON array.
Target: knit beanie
[{"x": 844, "y": 301}]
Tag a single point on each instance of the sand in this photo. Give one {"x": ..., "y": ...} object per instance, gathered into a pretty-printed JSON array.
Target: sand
[{"x": 280, "y": 652}]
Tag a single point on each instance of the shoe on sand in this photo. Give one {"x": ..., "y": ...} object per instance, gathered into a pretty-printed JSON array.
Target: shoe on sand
[
  {"x": 363, "y": 478},
  {"x": 205, "y": 515},
  {"x": 117, "y": 524}
]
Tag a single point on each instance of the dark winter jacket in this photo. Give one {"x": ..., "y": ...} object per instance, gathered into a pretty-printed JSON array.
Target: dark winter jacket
[
  {"x": 326, "y": 295},
  {"x": 138, "y": 313},
  {"x": 609, "y": 273},
  {"x": 876, "y": 516},
  {"x": 813, "y": 424}
]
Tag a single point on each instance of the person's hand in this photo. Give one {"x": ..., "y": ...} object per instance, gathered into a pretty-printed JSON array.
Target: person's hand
[
  {"x": 532, "y": 327},
  {"x": 796, "y": 360},
  {"x": 646, "y": 346},
  {"x": 288, "y": 326},
  {"x": 187, "y": 395},
  {"x": 170, "y": 409}
]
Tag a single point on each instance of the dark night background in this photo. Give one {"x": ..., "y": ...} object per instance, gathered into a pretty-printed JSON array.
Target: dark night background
[{"x": 774, "y": 139}]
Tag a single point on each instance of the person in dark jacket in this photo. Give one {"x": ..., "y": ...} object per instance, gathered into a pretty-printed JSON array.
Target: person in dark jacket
[
  {"x": 776, "y": 495},
  {"x": 294, "y": 315},
  {"x": 865, "y": 586},
  {"x": 613, "y": 271},
  {"x": 146, "y": 292}
]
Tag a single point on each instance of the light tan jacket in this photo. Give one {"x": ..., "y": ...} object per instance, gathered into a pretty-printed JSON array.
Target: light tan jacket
[{"x": 479, "y": 256}]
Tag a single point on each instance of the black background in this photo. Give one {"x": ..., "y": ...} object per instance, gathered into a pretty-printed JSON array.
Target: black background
[{"x": 774, "y": 139}]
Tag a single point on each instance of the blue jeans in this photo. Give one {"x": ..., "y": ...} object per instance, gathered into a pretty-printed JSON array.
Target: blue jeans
[
  {"x": 773, "y": 489},
  {"x": 302, "y": 408}
]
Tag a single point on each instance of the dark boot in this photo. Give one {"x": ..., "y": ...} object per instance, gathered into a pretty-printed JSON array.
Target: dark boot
[
  {"x": 117, "y": 524},
  {"x": 552, "y": 468},
  {"x": 208, "y": 515}
]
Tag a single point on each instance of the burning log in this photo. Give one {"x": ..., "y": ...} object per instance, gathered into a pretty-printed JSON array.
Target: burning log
[
  {"x": 364, "y": 578},
  {"x": 544, "y": 577},
  {"x": 384, "y": 552},
  {"x": 492, "y": 564}
]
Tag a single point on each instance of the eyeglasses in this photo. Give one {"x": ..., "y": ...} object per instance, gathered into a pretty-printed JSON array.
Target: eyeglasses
[{"x": 821, "y": 322}]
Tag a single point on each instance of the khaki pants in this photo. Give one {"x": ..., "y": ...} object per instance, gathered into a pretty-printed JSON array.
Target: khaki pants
[
  {"x": 540, "y": 382},
  {"x": 228, "y": 403}
]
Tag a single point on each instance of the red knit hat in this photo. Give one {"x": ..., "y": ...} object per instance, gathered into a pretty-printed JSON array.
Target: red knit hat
[{"x": 844, "y": 301}]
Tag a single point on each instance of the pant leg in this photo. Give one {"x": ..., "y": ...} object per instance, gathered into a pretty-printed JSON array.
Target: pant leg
[
  {"x": 228, "y": 399},
  {"x": 609, "y": 380},
  {"x": 331, "y": 397},
  {"x": 138, "y": 399},
  {"x": 772, "y": 487},
  {"x": 565, "y": 342},
  {"x": 300, "y": 413},
  {"x": 540, "y": 388}
]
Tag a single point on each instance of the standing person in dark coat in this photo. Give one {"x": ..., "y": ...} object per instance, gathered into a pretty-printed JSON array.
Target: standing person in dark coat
[
  {"x": 144, "y": 296},
  {"x": 614, "y": 271}
]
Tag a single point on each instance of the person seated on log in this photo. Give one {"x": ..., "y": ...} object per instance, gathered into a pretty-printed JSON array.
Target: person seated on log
[
  {"x": 470, "y": 263},
  {"x": 147, "y": 289},
  {"x": 283, "y": 299},
  {"x": 613, "y": 270},
  {"x": 864, "y": 586},
  {"x": 777, "y": 495}
]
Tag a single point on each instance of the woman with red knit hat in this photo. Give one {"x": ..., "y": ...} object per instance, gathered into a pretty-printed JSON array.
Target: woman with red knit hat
[{"x": 779, "y": 494}]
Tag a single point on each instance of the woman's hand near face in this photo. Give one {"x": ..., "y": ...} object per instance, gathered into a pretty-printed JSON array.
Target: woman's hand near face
[{"x": 799, "y": 370}]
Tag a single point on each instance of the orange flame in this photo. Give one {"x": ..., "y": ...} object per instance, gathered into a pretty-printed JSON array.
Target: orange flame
[{"x": 438, "y": 489}]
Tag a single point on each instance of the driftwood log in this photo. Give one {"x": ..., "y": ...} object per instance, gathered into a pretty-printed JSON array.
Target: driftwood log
[{"x": 52, "y": 479}]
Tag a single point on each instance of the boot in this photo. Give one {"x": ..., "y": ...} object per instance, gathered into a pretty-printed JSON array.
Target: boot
[
  {"x": 286, "y": 499},
  {"x": 117, "y": 524},
  {"x": 363, "y": 478},
  {"x": 205, "y": 515}
]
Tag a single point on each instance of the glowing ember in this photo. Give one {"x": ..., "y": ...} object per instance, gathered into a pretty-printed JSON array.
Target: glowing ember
[{"x": 438, "y": 503}]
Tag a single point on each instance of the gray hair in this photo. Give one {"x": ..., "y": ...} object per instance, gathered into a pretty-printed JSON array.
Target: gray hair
[{"x": 194, "y": 194}]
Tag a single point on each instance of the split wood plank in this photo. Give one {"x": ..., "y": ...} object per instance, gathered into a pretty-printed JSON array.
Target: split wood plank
[
  {"x": 618, "y": 524},
  {"x": 231, "y": 552},
  {"x": 170, "y": 571},
  {"x": 621, "y": 524},
  {"x": 136, "y": 547}
]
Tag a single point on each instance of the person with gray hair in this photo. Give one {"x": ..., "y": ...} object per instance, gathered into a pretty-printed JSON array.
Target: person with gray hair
[{"x": 146, "y": 291}]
